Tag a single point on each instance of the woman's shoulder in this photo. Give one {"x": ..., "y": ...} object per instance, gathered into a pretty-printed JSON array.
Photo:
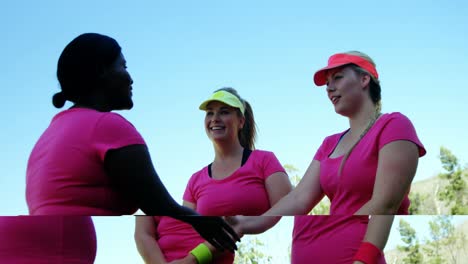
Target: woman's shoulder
[
  {"x": 394, "y": 117},
  {"x": 332, "y": 139},
  {"x": 262, "y": 154},
  {"x": 86, "y": 113},
  {"x": 200, "y": 172}
]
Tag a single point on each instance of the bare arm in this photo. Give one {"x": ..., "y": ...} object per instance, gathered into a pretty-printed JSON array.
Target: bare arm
[
  {"x": 133, "y": 174},
  {"x": 277, "y": 186},
  {"x": 297, "y": 202},
  {"x": 304, "y": 197},
  {"x": 145, "y": 239},
  {"x": 378, "y": 231},
  {"x": 397, "y": 165}
]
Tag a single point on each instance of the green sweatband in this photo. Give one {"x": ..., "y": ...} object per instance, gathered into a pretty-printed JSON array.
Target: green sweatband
[{"x": 202, "y": 253}]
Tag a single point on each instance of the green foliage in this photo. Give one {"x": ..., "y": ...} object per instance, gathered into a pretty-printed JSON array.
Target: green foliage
[
  {"x": 293, "y": 174},
  {"x": 411, "y": 247},
  {"x": 421, "y": 204},
  {"x": 322, "y": 208},
  {"x": 455, "y": 194},
  {"x": 440, "y": 229},
  {"x": 443, "y": 236},
  {"x": 249, "y": 252},
  {"x": 445, "y": 244},
  {"x": 416, "y": 203}
]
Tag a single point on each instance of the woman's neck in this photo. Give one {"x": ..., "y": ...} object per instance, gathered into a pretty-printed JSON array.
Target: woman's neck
[
  {"x": 225, "y": 151},
  {"x": 93, "y": 104},
  {"x": 362, "y": 119}
]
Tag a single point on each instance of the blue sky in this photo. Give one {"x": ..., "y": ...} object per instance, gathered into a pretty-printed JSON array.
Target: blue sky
[{"x": 179, "y": 52}]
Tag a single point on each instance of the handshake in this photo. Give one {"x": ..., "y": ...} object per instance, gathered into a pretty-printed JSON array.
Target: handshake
[{"x": 224, "y": 232}]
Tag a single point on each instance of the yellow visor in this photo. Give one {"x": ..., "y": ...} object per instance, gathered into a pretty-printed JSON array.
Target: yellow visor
[{"x": 224, "y": 97}]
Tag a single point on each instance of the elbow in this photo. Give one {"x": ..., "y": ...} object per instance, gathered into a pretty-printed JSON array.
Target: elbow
[
  {"x": 384, "y": 207},
  {"x": 139, "y": 241},
  {"x": 140, "y": 237}
]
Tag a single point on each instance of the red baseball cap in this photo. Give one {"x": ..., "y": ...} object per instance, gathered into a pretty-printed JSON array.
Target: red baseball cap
[{"x": 341, "y": 59}]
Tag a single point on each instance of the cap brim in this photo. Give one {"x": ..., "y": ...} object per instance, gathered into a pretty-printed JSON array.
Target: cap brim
[
  {"x": 320, "y": 77},
  {"x": 205, "y": 104},
  {"x": 225, "y": 98}
]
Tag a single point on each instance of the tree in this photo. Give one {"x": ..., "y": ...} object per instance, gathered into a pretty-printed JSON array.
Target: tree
[
  {"x": 440, "y": 228},
  {"x": 249, "y": 252},
  {"x": 455, "y": 194},
  {"x": 445, "y": 243},
  {"x": 322, "y": 208},
  {"x": 421, "y": 204},
  {"x": 416, "y": 203},
  {"x": 412, "y": 247},
  {"x": 293, "y": 174}
]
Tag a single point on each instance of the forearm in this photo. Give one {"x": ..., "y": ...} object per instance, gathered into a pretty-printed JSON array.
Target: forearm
[
  {"x": 149, "y": 250},
  {"x": 257, "y": 224},
  {"x": 371, "y": 248},
  {"x": 378, "y": 230},
  {"x": 292, "y": 204},
  {"x": 166, "y": 204}
]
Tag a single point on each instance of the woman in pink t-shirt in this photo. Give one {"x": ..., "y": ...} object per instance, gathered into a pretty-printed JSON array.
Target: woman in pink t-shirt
[
  {"x": 365, "y": 170},
  {"x": 241, "y": 180},
  {"x": 47, "y": 239},
  {"x": 91, "y": 161}
]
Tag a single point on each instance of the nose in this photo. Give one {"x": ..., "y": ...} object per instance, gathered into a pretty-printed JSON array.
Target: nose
[
  {"x": 130, "y": 79},
  {"x": 214, "y": 117},
  {"x": 330, "y": 87}
]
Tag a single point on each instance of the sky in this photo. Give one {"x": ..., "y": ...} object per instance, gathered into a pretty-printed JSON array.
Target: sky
[{"x": 179, "y": 52}]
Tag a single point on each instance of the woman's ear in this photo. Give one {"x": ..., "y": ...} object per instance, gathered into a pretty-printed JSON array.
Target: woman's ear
[
  {"x": 365, "y": 80},
  {"x": 241, "y": 122}
]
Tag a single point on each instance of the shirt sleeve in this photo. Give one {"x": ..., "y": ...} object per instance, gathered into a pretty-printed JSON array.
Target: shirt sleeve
[
  {"x": 189, "y": 193},
  {"x": 156, "y": 220},
  {"x": 399, "y": 127},
  {"x": 112, "y": 131},
  {"x": 271, "y": 164},
  {"x": 322, "y": 150}
]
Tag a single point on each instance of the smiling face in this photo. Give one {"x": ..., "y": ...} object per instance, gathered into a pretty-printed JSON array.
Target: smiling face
[
  {"x": 347, "y": 89},
  {"x": 222, "y": 122},
  {"x": 118, "y": 85}
]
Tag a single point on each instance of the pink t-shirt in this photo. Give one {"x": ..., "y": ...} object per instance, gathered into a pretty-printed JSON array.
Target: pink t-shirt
[
  {"x": 352, "y": 190},
  {"x": 323, "y": 239},
  {"x": 242, "y": 193},
  {"x": 176, "y": 238},
  {"x": 47, "y": 240},
  {"x": 65, "y": 173}
]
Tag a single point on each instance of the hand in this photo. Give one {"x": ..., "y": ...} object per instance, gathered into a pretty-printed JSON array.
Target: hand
[
  {"x": 189, "y": 259},
  {"x": 215, "y": 230}
]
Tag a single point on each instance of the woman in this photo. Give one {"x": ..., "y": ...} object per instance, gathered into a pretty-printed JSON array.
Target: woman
[
  {"x": 91, "y": 161},
  {"x": 365, "y": 170},
  {"x": 240, "y": 180},
  {"x": 47, "y": 240}
]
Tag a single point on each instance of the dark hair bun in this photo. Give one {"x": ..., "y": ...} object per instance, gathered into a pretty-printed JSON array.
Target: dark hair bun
[{"x": 59, "y": 100}]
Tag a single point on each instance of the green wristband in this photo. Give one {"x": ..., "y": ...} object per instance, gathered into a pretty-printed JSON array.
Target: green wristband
[{"x": 202, "y": 253}]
